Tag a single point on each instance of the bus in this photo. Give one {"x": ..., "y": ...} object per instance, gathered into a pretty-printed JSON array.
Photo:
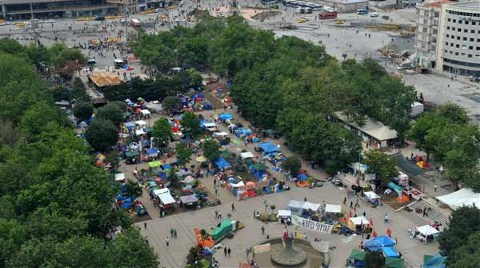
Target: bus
[{"x": 327, "y": 15}]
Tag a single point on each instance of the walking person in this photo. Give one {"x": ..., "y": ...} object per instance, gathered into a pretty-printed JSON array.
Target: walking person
[
  {"x": 385, "y": 219},
  {"x": 351, "y": 204},
  {"x": 167, "y": 241},
  {"x": 263, "y": 230},
  {"x": 145, "y": 225},
  {"x": 216, "y": 214},
  {"x": 229, "y": 251},
  {"x": 435, "y": 188},
  {"x": 345, "y": 201},
  {"x": 364, "y": 213},
  {"x": 171, "y": 232},
  {"x": 233, "y": 207},
  {"x": 175, "y": 233},
  {"x": 225, "y": 251}
]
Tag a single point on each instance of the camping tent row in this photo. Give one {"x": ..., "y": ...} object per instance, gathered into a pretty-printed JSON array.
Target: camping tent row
[
  {"x": 358, "y": 258},
  {"x": 268, "y": 147}
]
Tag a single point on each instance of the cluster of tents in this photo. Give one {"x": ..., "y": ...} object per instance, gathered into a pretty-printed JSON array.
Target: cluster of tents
[
  {"x": 195, "y": 102},
  {"x": 385, "y": 244}
]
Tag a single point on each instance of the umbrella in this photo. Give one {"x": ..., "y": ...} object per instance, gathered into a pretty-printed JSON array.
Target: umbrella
[{"x": 201, "y": 159}]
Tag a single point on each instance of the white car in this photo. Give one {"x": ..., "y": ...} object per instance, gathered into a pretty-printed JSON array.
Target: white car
[{"x": 374, "y": 14}]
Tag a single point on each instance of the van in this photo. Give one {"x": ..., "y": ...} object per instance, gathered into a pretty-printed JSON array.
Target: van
[
  {"x": 362, "y": 11},
  {"x": 99, "y": 18}
]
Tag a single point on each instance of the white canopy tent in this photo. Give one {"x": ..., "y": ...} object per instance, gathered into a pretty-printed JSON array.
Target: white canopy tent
[
  {"x": 312, "y": 206},
  {"x": 295, "y": 205},
  {"x": 165, "y": 196},
  {"x": 428, "y": 230},
  {"x": 284, "y": 213},
  {"x": 220, "y": 134},
  {"x": 359, "y": 220},
  {"x": 120, "y": 177},
  {"x": 371, "y": 195},
  {"x": 333, "y": 208},
  {"x": 140, "y": 132},
  {"x": 145, "y": 112},
  {"x": 247, "y": 155},
  {"x": 462, "y": 197},
  {"x": 141, "y": 123},
  {"x": 239, "y": 184}
]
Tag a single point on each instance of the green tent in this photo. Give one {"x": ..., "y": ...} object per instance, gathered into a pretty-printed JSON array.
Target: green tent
[
  {"x": 394, "y": 262},
  {"x": 222, "y": 229},
  {"x": 358, "y": 255},
  {"x": 155, "y": 164}
]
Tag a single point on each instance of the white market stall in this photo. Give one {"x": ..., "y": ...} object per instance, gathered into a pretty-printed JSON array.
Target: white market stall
[
  {"x": 164, "y": 196},
  {"x": 329, "y": 208},
  {"x": 220, "y": 134},
  {"x": 311, "y": 206},
  {"x": 295, "y": 206},
  {"x": 357, "y": 222},
  {"x": 427, "y": 230},
  {"x": 246, "y": 155},
  {"x": 141, "y": 124},
  {"x": 145, "y": 112},
  {"x": 372, "y": 197}
]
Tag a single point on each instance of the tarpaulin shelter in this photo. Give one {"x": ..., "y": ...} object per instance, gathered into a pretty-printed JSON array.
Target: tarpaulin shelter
[
  {"x": 153, "y": 152},
  {"x": 188, "y": 199},
  {"x": 284, "y": 213},
  {"x": 225, "y": 116},
  {"x": 201, "y": 159},
  {"x": 435, "y": 261},
  {"x": 462, "y": 197},
  {"x": 378, "y": 243},
  {"x": 390, "y": 252},
  {"x": 302, "y": 176},
  {"x": 154, "y": 164},
  {"x": 221, "y": 163},
  {"x": 223, "y": 228},
  {"x": 247, "y": 155},
  {"x": 141, "y": 123},
  {"x": 268, "y": 147},
  {"x": 357, "y": 258},
  {"x": 129, "y": 125}
]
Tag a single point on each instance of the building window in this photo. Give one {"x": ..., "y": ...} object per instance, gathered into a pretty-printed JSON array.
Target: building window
[
  {"x": 459, "y": 30},
  {"x": 472, "y": 39},
  {"x": 458, "y": 37},
  {"x": 457, "y": 46},
  {"x": 456, "y": 53},
  {"x": 465, "y": 30},
  {"x": 448, "y": 19},
  {"x": 464, "y": 39},
  {"x": 472, "y": 31},
  {"x": 470, "y": 47},
  {"x": 454, "y": 21},
  {"x": 474, "y": 23},
  {"x": 466, "y": 22},
  {"x": 448, "y": 36},
  {"x": 448, "y": 27},
  {"x": 469, "y": 55}
]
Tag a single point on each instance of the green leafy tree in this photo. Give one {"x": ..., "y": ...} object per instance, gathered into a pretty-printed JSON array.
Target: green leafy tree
[
  {"x": 162, "y": 132},
  {"x": 190, "y": 125},
  {"x": 102, "y": 134},
  {"x": 111, "y": 112},
  {"x": 454, "y": 241},
  {"x": 467, "y": 255},
  {"x": 292, "y": 164},
  {"x": 183, "y": 154},
  {"x": 35, "y": 121},
  {"x": 133, "y": 189},
  {"x": 375, "y": 259},
  {"x": 83, "y": 110},
  {"x": 382, "y": 165},
  {"x": 211, "y": 150},
  {"x": 170, "y": 103}
]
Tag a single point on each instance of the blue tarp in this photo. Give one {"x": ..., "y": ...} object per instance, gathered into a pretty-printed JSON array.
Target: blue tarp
[
  {"x": 379, "y": 243},
  {"x": 268, "y": 147},
  {"x": 390, "y": 252},
  {"x": 436, "y": 261},
  {"x": 302, "y": 176},
  {"x": 167, "y": 166},
  {"x": 152, "y": 151},
  {"x": 221, "y": 163},
  {"x": 243, "y": 131},
  {"x": 129, "y": 125},
  {"x": 258, "y": 173},
  {"x": 225, "y": 116}
]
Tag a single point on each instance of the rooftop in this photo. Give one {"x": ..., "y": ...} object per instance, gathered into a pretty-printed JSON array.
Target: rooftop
[
  {"x": 474, "y": 5},
  {"x": 104, "y": 79},
  {"x": 372, "y": 128},
  {"x": 436, "y": 4}
]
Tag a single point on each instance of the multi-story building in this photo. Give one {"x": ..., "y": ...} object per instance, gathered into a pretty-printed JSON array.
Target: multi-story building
[
  {"x": 448, "y": 36},
  {"x": 23, "y": 9},
  {"x": 427, "y": 32},
  {"x": 129, "y": 5},
  {"x": 458, "y": 44}
]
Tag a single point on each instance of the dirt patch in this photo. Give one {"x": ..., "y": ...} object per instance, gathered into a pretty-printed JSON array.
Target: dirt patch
[{"x": 266, "y": 15}]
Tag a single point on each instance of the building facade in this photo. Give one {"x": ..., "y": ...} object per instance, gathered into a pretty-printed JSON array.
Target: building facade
[
  {"x": 427, "y": 32},
  {"x": 23, "y": 9},
  {"x": 458, "y": 44}
]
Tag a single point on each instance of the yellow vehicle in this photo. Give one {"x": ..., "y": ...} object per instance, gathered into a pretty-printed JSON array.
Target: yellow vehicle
[
  {"x": 171, "y": 7},
  {"x": 302, "y": 20},
  {"x": 148, "y": 11},
  {"x": 339, "y": 21},
  {"x": 21, "y": 24},
  {"x": 111, "y": 17}
]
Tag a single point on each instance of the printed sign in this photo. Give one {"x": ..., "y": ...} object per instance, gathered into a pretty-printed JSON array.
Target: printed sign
[{"x": 312, "y": 225}]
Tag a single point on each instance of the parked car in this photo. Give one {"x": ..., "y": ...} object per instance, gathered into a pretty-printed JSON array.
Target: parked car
[{"x": 374, "y": 14}]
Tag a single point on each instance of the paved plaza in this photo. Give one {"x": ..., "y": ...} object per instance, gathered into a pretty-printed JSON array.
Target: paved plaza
[{"x": 338, "y": 40}]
